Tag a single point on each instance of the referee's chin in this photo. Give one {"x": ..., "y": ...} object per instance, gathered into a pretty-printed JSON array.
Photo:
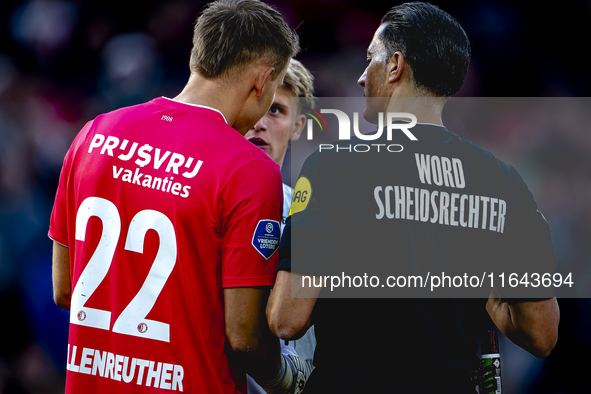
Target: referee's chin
[
  {"x": 373, "y": 107},
  {"x": 371, "y": 114}
]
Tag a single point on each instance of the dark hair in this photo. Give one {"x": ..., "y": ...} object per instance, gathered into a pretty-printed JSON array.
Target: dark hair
[
  {"x": 234, "y": 33},
  {"x": 433, "y": 44}
]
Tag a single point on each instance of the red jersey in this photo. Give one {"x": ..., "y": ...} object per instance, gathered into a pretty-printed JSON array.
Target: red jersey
[{"x": 162, "y": 205}]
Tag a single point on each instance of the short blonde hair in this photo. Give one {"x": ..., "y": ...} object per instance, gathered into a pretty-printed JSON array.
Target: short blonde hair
[
  {"x": 300, "y": 82},
  {"x": 231, "y": 34}
]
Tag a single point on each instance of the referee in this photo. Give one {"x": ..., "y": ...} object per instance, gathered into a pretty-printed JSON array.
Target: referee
[{"x": 366, "y": 209}]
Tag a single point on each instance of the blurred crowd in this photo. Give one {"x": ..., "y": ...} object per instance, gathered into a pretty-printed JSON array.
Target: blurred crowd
[{"x": 64, "y": 62}]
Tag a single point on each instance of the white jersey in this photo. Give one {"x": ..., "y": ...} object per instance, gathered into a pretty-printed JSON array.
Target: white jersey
[{"x": 287, "y": 195}]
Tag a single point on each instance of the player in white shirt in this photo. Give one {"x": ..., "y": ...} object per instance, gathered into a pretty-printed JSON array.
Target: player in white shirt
[{"x": 283, "y": 123}]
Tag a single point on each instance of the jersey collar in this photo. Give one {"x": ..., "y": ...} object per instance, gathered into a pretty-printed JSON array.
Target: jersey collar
[{"x": 198, "y": 106}]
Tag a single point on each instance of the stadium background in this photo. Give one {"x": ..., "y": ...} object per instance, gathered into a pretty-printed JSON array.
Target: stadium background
[{"x": 64, "y": 62}]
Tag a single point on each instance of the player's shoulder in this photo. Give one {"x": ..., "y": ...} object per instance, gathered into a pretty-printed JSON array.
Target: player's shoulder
[
  {"x": 239, "y": 151},
  {"x": 105, "y": 122},
  {"x": 248, "y": 172},
  {"x": 255, "y": 161},
  {"x": 110, "y": 118},
  {"x": 321, "y": 167},
  {"x": 129, "y": 113},
  {"x": 481, "y": 155},
  {"x": 488, "y": 166}
]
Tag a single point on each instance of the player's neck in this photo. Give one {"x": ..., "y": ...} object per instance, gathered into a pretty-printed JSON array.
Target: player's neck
[{"x": 211, "y": 93}]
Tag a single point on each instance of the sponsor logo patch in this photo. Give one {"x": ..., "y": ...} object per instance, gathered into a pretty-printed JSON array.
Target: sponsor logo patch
[
  {"x": 266, "y": 237},
  {"x": 301, "y": 195}
]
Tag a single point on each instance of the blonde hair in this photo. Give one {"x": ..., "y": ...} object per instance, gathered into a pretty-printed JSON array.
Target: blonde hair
[
  {"x": 300, "y": 82},
  {"x": 231, "y": 34}
]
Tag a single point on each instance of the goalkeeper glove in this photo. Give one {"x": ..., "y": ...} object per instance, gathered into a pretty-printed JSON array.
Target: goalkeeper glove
[
  {"x": 484, "y": 377},
  {"x": 296, "y": 372}
]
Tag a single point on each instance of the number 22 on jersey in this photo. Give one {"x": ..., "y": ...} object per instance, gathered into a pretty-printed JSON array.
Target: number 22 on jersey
[{"x": 132, "y": 321}]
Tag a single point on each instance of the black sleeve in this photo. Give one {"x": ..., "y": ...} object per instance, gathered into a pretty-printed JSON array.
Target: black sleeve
[
  {"x": 285, "y": 248},
  {"x": 530, "y": 249},
  {"x": 310, "y": 228}
]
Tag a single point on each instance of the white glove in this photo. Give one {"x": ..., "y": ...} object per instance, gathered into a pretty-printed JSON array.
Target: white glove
[{"x": 293, "y": 381}]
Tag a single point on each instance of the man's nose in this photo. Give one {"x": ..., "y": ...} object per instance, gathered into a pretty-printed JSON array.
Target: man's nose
[
  {"x": 361, "y": 80},
  {"x": 261, "y": 125}
]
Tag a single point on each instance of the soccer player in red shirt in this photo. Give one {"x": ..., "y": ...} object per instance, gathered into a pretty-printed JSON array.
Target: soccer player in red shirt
[{"x": 166, "y": 222}]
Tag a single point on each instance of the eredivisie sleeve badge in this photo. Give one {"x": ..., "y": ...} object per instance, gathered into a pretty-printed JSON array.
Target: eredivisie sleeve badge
[{"x": 266, "y": 237}]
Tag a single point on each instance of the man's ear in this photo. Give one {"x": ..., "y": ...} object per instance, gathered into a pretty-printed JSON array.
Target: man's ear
[
  {"x": 297, "y": 127},
  {"x": 261, "y": 78},
  {"x": 395, "y": 67}
]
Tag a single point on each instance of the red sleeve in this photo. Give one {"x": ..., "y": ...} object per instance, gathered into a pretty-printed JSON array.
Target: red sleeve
[
  {"x": 58, "y": 225},
  {"x": 251, "y": 202}
]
